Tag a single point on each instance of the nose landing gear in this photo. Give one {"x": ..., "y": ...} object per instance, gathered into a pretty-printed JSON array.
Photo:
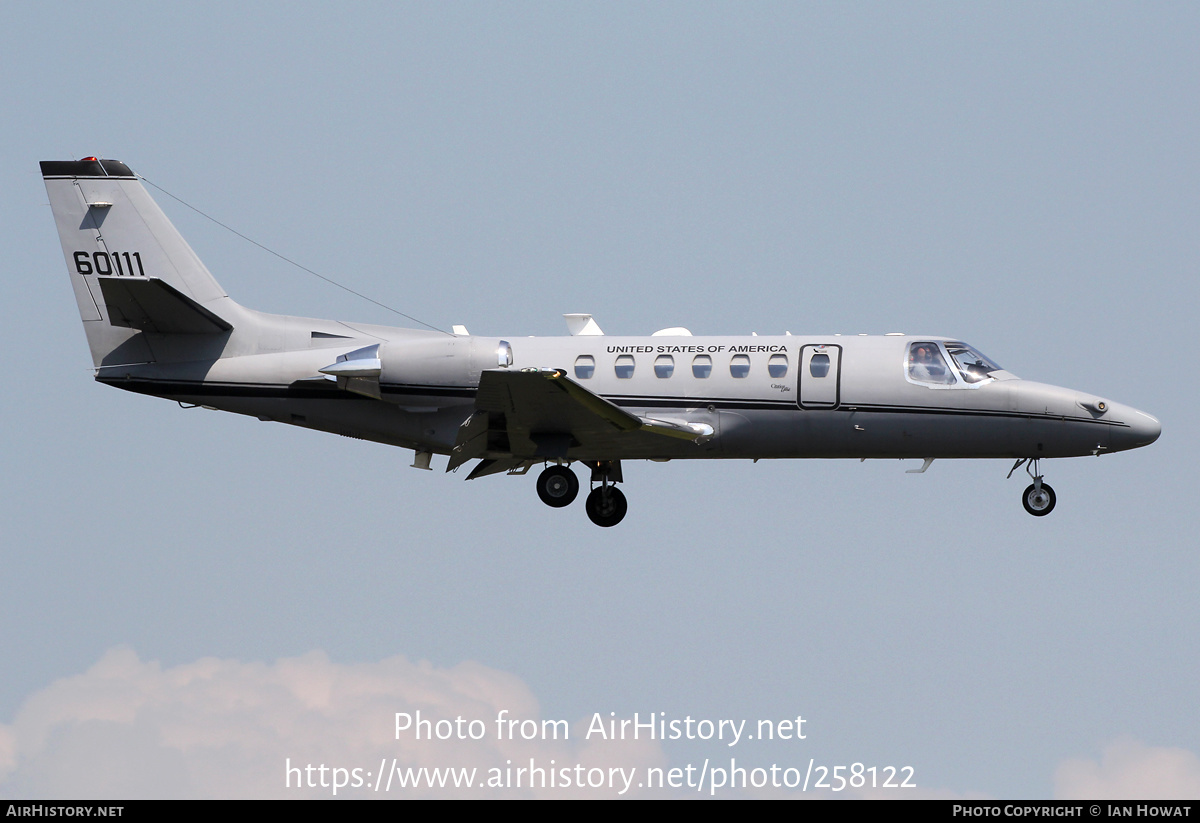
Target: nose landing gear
[
  {"x": 1038, "y": 502},
  {"x": 1038, "y": 498}
]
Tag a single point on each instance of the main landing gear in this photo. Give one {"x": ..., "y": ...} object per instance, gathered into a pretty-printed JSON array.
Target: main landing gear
[
  {"x": 606, "y": 506},
  {"x": 1038, "y": 498},
  {"x": 557, "y": 486}
]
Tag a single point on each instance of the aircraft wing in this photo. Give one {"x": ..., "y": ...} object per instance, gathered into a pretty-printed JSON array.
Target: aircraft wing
[{"x": 534, "y": 414}]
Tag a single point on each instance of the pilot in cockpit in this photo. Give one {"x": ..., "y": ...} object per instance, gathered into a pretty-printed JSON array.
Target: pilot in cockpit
[{"x": 925, "y": 364}]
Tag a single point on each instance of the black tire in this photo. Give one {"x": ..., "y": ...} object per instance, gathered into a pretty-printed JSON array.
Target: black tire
[
  {"x": 606, "y": 506},
  {"x": 557, "y": 486},
  {"x": 1039, "y": 504}
]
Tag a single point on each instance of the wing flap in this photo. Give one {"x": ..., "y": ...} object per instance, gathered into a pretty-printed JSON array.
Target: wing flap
[{"x": 542, "y": 414}]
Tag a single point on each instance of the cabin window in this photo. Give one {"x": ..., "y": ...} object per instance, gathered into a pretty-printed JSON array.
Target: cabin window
[
  {"x": 739, "y": 366},
  {"x": 926, "y": 365},
  {"x": 664, "y": 365},
  {"x": 624, "y": 367},
  {"x": 777, "y": 365},
  {"x": 701, "y": 366},
  {"x": 585, "y": 366},
  {"x": 818, "y": 366}
]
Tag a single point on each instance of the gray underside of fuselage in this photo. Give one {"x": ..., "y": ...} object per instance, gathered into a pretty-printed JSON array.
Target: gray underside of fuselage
[{"x": 739, "y": 433}]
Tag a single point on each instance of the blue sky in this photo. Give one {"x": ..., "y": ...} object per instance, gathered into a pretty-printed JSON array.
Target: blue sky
[{"x": 1022, "y": 176}]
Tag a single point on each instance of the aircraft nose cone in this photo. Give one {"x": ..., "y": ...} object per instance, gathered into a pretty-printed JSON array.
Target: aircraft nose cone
[
  {"x": 1143, "y": 429},
  {"x": 1146, "y": 428}
]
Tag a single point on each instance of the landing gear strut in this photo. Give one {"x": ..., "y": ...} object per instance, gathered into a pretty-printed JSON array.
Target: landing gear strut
[
  {"x": 606, "y": 505},
  {"x": 557, "y": 486},
  {"x": 1038, "y": 498}
]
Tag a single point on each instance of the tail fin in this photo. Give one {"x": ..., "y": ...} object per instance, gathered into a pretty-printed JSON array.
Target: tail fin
[{"x": 130, "y": 268}]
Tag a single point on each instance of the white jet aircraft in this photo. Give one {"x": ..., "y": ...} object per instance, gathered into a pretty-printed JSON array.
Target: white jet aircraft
[{"x": 158, "y": 323}]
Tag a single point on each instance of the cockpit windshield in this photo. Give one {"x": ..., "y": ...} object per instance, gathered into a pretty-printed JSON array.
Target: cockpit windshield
[
  {"x": 928, "y": 365},
  {"x": 972, "y": 364}
]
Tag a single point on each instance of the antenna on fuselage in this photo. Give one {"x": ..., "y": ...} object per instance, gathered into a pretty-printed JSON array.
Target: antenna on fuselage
[{"x": 582, "y": 324}]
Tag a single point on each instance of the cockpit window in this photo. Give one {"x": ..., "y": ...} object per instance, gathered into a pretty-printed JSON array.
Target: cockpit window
[
  {"x": 972, "y": 364},
  {"x": 926, "y": 365}
]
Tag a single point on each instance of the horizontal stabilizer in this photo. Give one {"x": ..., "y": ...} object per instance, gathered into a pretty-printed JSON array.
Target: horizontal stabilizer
[{"x": 150, "y": 304}]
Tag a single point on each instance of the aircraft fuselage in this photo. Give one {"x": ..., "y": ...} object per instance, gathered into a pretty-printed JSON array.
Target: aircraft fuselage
[
  {"x": 157, "y": 322},
  {"x": 774, "y": 408}
]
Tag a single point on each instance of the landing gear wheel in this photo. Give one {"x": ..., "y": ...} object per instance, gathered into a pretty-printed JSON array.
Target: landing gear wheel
[
  {"x": 557, "y": 486},
  {"x": 1038, "y": 502},
  {"x": 606, "y": 506}
]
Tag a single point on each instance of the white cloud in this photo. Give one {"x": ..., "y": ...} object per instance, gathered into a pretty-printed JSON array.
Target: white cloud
[
  {"x": 222, "y": 728},
  {"x": 1131, "y": 770},
  {"x": 129, "y": 728}
]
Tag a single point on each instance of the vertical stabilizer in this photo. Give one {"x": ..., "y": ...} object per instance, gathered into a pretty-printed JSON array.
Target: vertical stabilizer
[{"x": 131, "y": 270}]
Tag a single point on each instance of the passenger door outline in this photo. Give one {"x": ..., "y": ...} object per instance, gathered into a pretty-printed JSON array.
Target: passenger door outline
[{"x": 820, "y": 392}]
